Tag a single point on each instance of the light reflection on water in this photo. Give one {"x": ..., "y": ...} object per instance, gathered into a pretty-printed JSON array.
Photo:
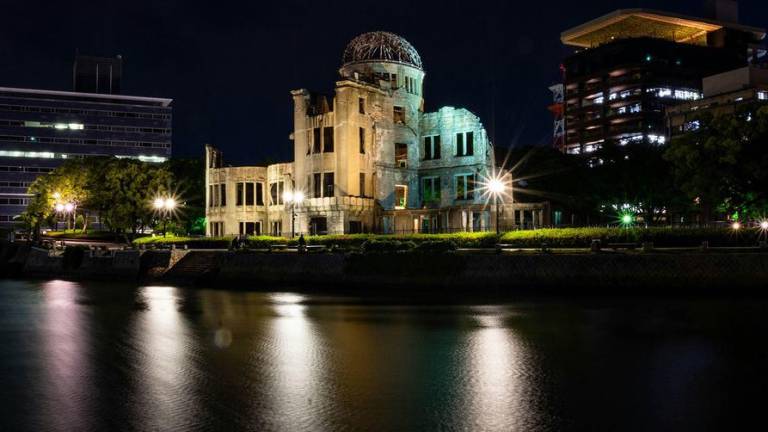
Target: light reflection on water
[
  {"x": 164, "y": 361},
  {"x": 103, "y": 357},
  {"x": 65, "y": 344},
  {"x": 497, "y": 381}
]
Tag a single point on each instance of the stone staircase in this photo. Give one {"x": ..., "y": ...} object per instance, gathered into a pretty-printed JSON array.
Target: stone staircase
[{"x": 194, "y": 266}]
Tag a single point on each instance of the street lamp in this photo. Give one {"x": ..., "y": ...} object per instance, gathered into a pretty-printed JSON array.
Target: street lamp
[
  {"x": 67, "y": 208},
  {"x": 165, "y": 206},
  {"x": 293, "y": 198},
  {"x": 496, "y": 187}
]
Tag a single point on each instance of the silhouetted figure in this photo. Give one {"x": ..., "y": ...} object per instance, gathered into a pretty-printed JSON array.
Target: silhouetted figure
[{"x": 302, "y": 244}]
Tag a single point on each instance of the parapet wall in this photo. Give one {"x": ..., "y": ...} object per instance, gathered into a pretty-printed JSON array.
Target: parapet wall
[{"x": 514, "y": 273}]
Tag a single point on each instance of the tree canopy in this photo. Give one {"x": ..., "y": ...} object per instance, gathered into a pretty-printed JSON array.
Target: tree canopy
[
  {"x": 120, "y": 192},
  {"x": 723, "y": 164}
]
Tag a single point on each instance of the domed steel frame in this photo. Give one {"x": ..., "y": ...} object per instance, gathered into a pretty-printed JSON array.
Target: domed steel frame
[{"x": 381, "y": 46}]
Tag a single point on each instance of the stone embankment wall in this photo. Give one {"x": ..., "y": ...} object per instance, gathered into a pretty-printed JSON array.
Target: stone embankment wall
[{"x": 494, "y": 272}]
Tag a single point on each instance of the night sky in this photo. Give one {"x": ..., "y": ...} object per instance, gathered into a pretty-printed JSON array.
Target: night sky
[{"x": 230, "y": 66}]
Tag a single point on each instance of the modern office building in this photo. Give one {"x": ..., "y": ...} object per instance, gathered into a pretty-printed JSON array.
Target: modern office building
[
  {"x": 723, "y": 95},
  {"x": 40, "y": 129},
  {"x": 632, "y": 64},
  {"x": 366, "y": 159}
]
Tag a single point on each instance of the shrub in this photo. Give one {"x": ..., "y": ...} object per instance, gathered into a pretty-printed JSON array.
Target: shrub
[
  {"x": 191, "y": 242},
  {"x": 434, "y": 246},
  {"x": 387, "y": 246},
  {"x": 264, "y": 242},
  {"x": 660, "y": 236}
]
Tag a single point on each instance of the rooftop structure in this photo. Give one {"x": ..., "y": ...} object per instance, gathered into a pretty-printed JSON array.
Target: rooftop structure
[
  {"x": 638, "y": 23},
  {"x": 380, "y": 46}
]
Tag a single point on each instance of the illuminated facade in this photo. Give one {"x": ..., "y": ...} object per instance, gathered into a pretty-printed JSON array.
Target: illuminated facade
[
  {"x": 366, "y": 158},
  {"x": 40, "y": 129},
  {"x": 723, "y": 95},
  {"x": 631, "y": 65}
]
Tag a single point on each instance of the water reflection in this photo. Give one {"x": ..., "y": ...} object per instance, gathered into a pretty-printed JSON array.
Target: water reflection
[
  {"x": 498, "y": 375},
  {"x": 296, "y": 364},
  {"x": 66, "y": 400},
  {"x": 96, "y": 357},
  {"x": 168, "y": 377}
]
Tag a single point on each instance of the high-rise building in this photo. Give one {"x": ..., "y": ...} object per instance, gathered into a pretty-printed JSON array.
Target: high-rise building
[
  {"x": 40, "y": 129},
  {"x": 631, "y": 64}
]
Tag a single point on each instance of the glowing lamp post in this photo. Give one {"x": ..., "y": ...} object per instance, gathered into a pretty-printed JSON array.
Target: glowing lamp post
[
  {"x": 65, "y": 208},
  {"x": 165, "y": 207},
  {"x": 496, "y": 187},
  {"x": 294, "y": 198}
]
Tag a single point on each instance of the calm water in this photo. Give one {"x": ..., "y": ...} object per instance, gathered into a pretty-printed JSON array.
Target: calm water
[{"x": 79, "y": 357}]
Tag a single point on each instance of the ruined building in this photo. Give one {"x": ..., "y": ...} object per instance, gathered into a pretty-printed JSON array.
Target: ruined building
[{"x": 366, "y": 159}]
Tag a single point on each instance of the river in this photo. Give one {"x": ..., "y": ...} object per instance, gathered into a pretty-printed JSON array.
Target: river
[{"x": 96, "y": 356}]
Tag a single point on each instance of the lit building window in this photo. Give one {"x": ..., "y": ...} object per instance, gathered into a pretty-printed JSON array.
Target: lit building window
[
  {"x": 762, "y": 95},
  {"x": 401, "y": 196}
]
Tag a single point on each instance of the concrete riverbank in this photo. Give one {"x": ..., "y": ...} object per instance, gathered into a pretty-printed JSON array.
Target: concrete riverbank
[{"x": 513, "y": 272}]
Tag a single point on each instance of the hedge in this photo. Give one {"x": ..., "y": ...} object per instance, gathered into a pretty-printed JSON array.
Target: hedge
[
  {"x": 191, "y": 242},
  {"x": 556, "y": 237},
  {"x": 659, "y": 236}
]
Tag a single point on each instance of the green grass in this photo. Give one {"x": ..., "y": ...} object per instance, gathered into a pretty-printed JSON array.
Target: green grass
[{"x": 88, "y": 235}]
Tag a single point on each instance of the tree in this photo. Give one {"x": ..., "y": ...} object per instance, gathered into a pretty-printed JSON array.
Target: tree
[
  {"x": 723, "y": 164},
  {"x": 120, "y": 191},
  {"x": 66, "y": 184}
]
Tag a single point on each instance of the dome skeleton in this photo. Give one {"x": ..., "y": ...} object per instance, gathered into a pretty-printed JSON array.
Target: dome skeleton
[{"x": 381, "y": 46}]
